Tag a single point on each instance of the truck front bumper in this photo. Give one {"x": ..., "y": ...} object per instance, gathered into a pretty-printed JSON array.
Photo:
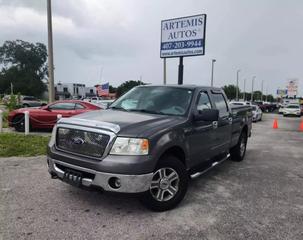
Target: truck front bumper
[{"x": 107, "y": 181}]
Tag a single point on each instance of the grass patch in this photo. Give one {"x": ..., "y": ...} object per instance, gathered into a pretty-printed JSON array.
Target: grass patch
[{"x": 12, "y": 144}]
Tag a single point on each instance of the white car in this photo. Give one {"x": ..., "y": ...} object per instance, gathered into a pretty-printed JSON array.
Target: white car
[
  {"x": 257, "y": 113},
  {"x": 281, "y": 109},
  {"x": 292, "y": 109}
]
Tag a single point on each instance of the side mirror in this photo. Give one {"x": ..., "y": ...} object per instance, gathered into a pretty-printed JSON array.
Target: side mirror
[
  {"x": 46, "y": 108},
  {"x": 208, "y": 115}
]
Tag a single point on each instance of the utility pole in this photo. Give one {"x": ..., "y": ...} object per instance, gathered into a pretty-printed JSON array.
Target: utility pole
[
  {"x": 12, "y": 88},
  {"x": 262, "y": 90},
  {"x": 252, "y": 88},
  {"x": 51, "y": 88},
  {"x": 101, "y": 74},
  {"x": 212, "y": 72},
  {"x": 244, "y": 89},
  {"x": 237, "y": 90},
  {"x": 164, "y": 71}
]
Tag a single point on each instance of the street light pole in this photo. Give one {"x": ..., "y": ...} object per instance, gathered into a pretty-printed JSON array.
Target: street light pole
[
  {"x": 237, "y": 90},
  {"x": 252, "y": 88},
  {"x": 212, "y": 72},
  {"x": 51, "y": 90},
  {"x": 244, "y": 89},
  {"x": 262, "y": 90}
]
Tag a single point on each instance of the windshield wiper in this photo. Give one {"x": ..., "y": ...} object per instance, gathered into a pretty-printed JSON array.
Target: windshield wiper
[
  {"x": 147, "y": 111},
  {"x": 119, "y": 108}
]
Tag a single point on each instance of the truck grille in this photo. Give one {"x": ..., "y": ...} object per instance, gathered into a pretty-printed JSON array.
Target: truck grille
[{"x": 81, "y": 142}]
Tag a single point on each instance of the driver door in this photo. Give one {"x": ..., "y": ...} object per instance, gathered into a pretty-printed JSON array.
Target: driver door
[
  {"x": 201, "y": 140},
  {"x": 50, "y": 115}
]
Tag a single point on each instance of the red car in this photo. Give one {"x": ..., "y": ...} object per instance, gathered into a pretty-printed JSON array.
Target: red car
[{"x": 45, "y": 117}]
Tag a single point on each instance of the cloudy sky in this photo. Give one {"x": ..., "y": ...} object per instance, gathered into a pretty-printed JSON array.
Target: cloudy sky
[{"x": 122, "y": 37}]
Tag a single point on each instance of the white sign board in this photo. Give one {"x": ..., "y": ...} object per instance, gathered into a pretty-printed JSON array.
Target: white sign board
[
  {"x": 183, "y": 36},
  {"x": 292, "y": 87}
]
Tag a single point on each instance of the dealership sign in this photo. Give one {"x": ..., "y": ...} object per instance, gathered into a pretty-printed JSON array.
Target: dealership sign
[
  {"x": 182, "y": 37},
  {"x": 282, "y": 92},
  {"x": 292, "y": 87}
]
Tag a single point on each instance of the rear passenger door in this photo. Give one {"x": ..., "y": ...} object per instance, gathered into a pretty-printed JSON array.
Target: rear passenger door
[{"x": 224, "y": 129}]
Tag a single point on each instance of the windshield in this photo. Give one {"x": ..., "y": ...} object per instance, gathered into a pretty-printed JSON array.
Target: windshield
[{"x": 157, "y": 100}]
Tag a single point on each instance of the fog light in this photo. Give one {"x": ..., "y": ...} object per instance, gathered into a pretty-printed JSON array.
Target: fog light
[{"x": 114, "y": 182}]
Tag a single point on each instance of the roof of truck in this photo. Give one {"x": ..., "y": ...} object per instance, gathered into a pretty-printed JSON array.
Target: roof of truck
[{"x": 187, "y": 86}]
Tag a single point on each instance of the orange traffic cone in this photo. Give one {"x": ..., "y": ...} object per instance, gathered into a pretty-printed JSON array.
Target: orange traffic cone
[
  {"x": 275, "y": 125},
  {"x": 301, "y": 126}
]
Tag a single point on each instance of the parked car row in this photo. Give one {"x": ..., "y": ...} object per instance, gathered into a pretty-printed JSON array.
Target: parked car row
[{"x": 266, "y": 106}]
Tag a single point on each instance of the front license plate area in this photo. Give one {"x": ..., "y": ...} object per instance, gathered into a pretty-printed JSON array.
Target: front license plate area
[{"x": 72, "y": 177}]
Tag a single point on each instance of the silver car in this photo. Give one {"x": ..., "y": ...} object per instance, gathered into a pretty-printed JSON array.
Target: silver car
[{"x": 257, "y": 113}]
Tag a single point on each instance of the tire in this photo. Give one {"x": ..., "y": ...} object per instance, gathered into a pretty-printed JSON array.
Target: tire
[
  {"x": 18, "y": 123},
  {"x": 237, "y": 153},
  {"x": 171, "y": 192}
]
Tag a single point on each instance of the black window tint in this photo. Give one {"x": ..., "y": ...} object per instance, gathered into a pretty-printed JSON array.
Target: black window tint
[
  {"x": 221, "y": 104},
  {"x": 204, "y": 102},
  {"x": 62, "y": 106},
  {"x": 79, "y": 106}
]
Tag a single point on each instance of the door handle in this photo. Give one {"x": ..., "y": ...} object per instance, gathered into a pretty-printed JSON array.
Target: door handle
[{"x": 215, "y": 124}]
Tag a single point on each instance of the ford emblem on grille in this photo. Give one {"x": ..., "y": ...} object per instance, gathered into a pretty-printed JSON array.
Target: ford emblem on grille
[{"x": 78, "y": 141}]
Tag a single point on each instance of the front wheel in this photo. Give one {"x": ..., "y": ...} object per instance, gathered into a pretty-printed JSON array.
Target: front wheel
[
  {"x": 238, "y": 152},
  {"x": 168, "y": 186},
  {"x": 19, "y": 123}
]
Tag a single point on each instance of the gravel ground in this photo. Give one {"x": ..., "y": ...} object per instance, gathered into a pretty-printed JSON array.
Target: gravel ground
[{"x": 259, "y": 198}]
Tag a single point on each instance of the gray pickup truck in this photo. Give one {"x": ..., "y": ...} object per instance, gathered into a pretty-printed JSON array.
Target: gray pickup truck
[{"x": 151, "y": 141}]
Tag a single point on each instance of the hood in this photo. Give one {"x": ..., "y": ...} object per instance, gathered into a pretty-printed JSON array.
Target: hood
[
  {"x": 292, "y": 109},
  {"x": 29, "y": 109},
  {"x": 133, "y": 123}
]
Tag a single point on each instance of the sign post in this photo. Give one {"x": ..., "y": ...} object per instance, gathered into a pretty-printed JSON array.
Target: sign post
[{"x": 183, "y": 37}]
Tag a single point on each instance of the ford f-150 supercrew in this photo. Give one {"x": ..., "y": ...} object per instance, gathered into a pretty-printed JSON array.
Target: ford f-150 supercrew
[{"x": 151, "y": 140}]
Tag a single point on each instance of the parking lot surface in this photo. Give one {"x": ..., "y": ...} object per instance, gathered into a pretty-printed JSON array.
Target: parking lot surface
[{"x": 259, "y": 198}]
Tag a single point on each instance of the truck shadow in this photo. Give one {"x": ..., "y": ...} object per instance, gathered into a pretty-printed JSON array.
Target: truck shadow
[{"x": 199, "y": 190}]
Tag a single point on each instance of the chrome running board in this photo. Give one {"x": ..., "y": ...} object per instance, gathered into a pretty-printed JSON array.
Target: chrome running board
[{"x": 198, "y": 174}]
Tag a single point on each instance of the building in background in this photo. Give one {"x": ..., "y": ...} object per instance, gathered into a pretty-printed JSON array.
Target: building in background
[
  {"x": 78, "y": 91},
  {"x": 73, "y": 91}
]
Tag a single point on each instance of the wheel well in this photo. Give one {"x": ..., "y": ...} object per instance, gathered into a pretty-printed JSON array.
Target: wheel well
[
  {"x": 176, "y": 152},
  {"x": 17, "y": 116}
]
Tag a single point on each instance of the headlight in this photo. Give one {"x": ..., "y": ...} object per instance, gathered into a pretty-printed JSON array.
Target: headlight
[
  {"x": 53, "y": 137},
  {"x": 130, "y": 146}
]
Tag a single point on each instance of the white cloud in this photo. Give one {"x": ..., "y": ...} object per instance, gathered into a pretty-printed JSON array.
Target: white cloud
[{"x": 262, "y": 38}]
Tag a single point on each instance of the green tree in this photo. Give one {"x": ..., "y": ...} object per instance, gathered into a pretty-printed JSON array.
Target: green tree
[
  {"x": 24, "y": 65},
  {"x": 112, "y": 89},
  {"x": 126, "y": 86},
  {"x": 231, "y": 91}
]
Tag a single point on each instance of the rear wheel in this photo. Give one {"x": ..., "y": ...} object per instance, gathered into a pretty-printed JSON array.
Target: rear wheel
[
  {"x": 168, "y": 186},
  {"x": 238, "y": 152}
]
